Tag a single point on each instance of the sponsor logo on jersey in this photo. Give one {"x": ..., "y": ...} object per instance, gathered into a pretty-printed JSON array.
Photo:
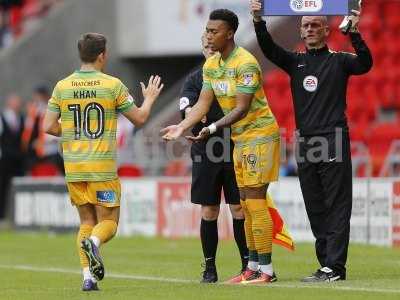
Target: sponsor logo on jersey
[
  {"x": 222, "y": 87},
  {"x": 106, "y": 196},
  {"x": 310, "y": 83},
  {"x": 230, "y": 72},
  {"x": 305, "y": 6}
]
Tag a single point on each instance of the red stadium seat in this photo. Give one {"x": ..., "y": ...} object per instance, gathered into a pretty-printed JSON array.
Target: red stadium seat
[
  {"x": 358, "y": 132},
  {"x": 177, "y": 168},
  {"x": 130, "y": 170},
  {"x": 288, "y": 129},
  {"x": 379, "y": 141},
  {"x": 44, "y": 170},
  {"x": 391, "y": 11}
]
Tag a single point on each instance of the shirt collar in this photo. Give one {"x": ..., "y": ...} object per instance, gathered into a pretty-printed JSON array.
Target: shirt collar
[{"x": 318, "y": 51}]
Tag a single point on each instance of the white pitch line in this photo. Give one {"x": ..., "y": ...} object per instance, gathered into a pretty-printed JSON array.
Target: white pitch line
[
  {"x": 110, "y": 275},
  {"x": 328, "y": 286}
]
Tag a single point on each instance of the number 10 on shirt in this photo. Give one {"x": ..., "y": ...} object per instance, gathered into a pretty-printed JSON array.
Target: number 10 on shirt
[{"x": 87, "y": 130}]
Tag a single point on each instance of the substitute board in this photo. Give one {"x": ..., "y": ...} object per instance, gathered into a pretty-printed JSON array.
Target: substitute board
[{"x": 307, "y": 7}]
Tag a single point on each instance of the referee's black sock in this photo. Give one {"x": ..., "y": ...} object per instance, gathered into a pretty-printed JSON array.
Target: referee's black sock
[
  {"x": 240, "y": 238},
  {"x": 209, "y": 241}
]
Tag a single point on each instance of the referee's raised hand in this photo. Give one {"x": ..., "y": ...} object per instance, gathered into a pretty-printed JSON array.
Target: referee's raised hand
[{"x": 255, "y": 9}]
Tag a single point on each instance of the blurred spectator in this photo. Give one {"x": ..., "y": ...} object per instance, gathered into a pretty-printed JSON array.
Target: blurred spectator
[
  {"x": 34, "y": 10},
  {"x": 11, "y": 155},
  {"x": 288, "y": 165},
  {"x": 124, "y": 140},
  {"x": 395, "y": 172},
  {"x": 12, "y": 13},
  {"x": 18, "y": 16},
  {"x": 5, "y": 34},
  {"x": 40, "y": 147}
]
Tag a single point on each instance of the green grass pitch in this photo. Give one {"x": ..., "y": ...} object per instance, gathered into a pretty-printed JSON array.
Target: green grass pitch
[{"x": 45, "y": 266}]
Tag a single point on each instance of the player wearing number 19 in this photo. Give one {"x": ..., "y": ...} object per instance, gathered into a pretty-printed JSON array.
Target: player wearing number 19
[{"x": 83, "y": 110}]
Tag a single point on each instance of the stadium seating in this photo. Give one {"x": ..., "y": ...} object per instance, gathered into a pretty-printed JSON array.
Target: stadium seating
[
  {"x": 20, "y": 15},
  {"x": 44, "y": 170},
  {"x": 176, "y": 168},
  {"x": 372, "y": 98},
  {"x": 130, "y": 170}
]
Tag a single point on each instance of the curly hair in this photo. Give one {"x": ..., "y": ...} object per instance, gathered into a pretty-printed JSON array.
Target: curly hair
[{"x": 226, "y": 15}]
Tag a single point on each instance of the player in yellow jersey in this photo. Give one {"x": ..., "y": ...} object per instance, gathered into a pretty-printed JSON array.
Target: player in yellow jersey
[
  {"x": 235, "y": 78},
  {"x": 83, "y": 110}
]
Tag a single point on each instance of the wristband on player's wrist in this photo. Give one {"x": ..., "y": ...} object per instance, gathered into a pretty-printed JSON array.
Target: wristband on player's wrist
[{"x": 212, "y": 128}]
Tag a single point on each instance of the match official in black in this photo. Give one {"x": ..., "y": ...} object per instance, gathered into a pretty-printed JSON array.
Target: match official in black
[
  {"x": 318, "y": 79},
  {"x": 212, "y": 171}
]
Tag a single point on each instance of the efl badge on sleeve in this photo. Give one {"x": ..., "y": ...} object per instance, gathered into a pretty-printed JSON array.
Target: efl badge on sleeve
[
  {"x": 248, "y": 79},
  {"x": 306, "y": 7}
]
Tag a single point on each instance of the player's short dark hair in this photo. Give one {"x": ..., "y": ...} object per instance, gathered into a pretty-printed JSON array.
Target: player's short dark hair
[
  {"x": 226, "y": 15},
  {"x": 90, "y": 46}
]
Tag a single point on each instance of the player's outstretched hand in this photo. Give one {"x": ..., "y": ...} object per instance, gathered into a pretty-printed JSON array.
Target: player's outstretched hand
[
  {"x": 153, "y": 89},
  {"x": 255, "y": 9},
  {"x": 204, "y": 133},
  {"x": 172, "y": 132}
]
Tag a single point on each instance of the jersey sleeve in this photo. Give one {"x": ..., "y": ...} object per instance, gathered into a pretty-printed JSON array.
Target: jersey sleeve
[
  {"x": 248, "y": 77},
  {"x": 124, "y": 101},
  {"x": 190, "y": 91},
  {"x": 54, "y": 103}
]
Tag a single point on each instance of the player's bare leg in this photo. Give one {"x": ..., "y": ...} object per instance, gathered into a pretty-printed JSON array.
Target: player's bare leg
[
  {"x": 88, "y": 219},
  {"x": 104, "y": 230},
  {"x": 209, "y": 241}
]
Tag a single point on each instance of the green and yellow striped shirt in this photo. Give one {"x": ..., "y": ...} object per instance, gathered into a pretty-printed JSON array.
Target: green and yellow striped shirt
[
  {"x": 88, "y": 103},
  {"x": 241, "y": 73}
]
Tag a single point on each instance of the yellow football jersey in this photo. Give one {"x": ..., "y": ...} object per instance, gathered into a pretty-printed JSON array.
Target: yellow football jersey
[
  {"x": 241, "y": 73},
  {"x": 88, "y": 103}
]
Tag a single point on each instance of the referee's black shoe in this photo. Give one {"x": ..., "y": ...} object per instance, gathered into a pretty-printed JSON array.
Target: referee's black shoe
[
  {"x": 324, "y": 274},
  {"x": 209, "y": 275}
]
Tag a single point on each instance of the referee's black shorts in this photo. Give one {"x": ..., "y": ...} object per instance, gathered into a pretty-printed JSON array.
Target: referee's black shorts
[{"x": 208, "y": 180}]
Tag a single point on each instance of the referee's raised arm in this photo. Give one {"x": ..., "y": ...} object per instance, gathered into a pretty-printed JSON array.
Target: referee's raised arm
[
  {"x": 282, "y": 58},
  {"x": 361, "y": 62}
]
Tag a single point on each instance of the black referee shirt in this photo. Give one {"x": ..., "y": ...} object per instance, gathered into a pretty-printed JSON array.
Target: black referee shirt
[
  {"x": 189, "y": 96},
  {"x": 318, "y": 80}
]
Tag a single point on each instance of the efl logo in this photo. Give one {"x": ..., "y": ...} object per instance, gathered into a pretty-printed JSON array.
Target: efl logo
[
  {"x": 310, "y": 83},
  {"x": 306, "y": 6}
]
